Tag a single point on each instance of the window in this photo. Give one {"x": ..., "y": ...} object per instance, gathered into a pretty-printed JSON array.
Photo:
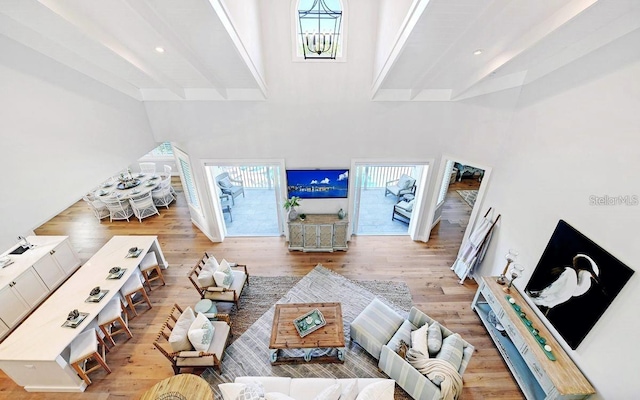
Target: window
[
  {"x": 192, "y": 194},
  {"x": 164, "y": 150},
  {"x": 319, "y": 29},
  {"x": 445, "y": 181}
]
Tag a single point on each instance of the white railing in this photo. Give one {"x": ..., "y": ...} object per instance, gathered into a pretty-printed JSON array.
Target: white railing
[
  {"x": 375, "y": 177},
  {"x": 260, "y": 177},
  {"x": 253, "y": 177}
]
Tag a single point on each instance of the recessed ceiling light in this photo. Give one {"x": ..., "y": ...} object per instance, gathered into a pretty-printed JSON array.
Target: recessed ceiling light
[
  {"x": 477, "y": 52},
  {"x": 160, "y": 49}
]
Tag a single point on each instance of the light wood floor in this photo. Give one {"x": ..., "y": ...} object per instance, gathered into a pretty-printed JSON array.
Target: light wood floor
[{"x": 137, "y": 365}]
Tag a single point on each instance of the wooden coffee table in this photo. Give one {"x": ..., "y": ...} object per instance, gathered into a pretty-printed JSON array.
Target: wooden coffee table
[{"x": 285, "y": 336}]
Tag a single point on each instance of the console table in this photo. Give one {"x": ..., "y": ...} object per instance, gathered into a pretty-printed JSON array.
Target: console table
[
  {"x": 537, "y": 375},
  {"x": 318, "y": 232},
  {"x": 36, "y": 354}
]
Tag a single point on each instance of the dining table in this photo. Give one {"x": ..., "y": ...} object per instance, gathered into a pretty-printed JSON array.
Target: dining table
[{"x": 113, "y": 189}]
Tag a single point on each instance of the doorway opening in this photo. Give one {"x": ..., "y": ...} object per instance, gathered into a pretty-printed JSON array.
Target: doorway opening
[
  {"x": 379, "y": 189},
  {"x": 248, "y": 196}
]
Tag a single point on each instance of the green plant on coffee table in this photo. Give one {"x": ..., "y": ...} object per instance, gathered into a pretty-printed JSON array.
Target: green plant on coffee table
[{"x": 302, "y": 216}]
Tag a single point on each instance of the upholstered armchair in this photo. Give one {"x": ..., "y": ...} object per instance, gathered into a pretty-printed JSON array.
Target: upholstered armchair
[
  {"x": 400, "y": 187},
  {"x": 180, "y": 328},
  {"x": 402, "y": 211},
  {"x": 204, "y": 278},
  {"x": 232, "y": 187}
]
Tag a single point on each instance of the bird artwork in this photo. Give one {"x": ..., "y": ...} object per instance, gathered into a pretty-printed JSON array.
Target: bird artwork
[
  {"x": 571, "y": 281},
  {"x": 574, "y": 283}
]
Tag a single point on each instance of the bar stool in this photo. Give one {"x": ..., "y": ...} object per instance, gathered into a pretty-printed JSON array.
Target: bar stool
[
  {"x": 149, "y": 264},
  {"x": 83, "y": 348},
  {"x": 134, "y": 286},
  {"x": 111, "y": 315},
  {"x": 94, "y": 325}
]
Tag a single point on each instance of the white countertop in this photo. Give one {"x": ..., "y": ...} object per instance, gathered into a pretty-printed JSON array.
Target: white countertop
[
  {"x": 41, "y": 336},
  {"x": 21, "y": 262}
]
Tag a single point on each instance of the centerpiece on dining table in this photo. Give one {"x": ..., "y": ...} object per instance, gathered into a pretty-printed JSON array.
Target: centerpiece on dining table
[{"x": 127, "y": 181}]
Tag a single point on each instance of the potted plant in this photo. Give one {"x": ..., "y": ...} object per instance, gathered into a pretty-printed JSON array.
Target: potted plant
[
  {"x": 303, "y": 216},
  {"x": 290, "y": 205}
]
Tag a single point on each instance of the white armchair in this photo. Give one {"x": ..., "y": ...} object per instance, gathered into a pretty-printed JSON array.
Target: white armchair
[{"x": 400, "y": 187}]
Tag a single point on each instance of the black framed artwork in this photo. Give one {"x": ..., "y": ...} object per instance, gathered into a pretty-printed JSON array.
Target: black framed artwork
[{"x": 574, "y": 283}]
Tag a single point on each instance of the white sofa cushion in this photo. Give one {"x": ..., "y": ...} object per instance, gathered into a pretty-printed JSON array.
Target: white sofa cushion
[
  {"x": 349, "y": 390},
  {"x": 278, "y": 384},
  {"x": 331, "y": 393},
  {"x": 307, "y": 388},
  {"x": 277, "y": 396},
  {"x": 419, "y": 339},
  {"x": 378, "y": 391}
]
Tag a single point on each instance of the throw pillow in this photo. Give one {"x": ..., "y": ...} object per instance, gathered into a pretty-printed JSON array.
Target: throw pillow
[
  {"x": 452, "y": 350},
  {"x": 434, "y": 338},
  {"x": 404, "y": 182},
  {"x": 179, "y": 340},
  {"x": 249, "y": 393},
  {"x": 205, "y": 279},
  {"x": 379, "y": 390},
  {"x": 225, "y": 183},
  {"x": 201, "y": 333},
  {"x": 230, "y": 390},
  {"x": 419, "y": 339},
  {"x": 330, "y": 393},
  {"x": 350, "y": 390},
  {"x": 223, "y": 275},
  {"x": 211, "y": 264},
  {"x": 409, "y": 206}
]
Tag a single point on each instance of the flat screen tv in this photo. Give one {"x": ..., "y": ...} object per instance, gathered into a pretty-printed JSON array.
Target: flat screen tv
[{"x": 318, "y": 183}]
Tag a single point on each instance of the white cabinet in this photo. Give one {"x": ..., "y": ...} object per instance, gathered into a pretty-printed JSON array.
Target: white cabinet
[
  {"x": 12, "y": 307},
  {"x": 49, "y": 271},
  {"x": 30, "y": 287},
  {"x": 32, "y": 276},
  {"x": 66, "y": 257},
  {"x": 318, "y": 232}
]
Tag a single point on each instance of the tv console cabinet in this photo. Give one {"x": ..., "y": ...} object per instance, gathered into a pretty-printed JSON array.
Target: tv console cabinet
[
  {"x": 537, "y": 375},
  {"x": 318, "y": 232}
]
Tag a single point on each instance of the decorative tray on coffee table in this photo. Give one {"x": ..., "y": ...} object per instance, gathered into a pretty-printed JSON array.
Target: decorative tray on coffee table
[{"x": 309, "y": 322}]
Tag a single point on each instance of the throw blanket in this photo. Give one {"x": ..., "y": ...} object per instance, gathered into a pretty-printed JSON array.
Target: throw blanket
[{"x": 437, "y": 370}]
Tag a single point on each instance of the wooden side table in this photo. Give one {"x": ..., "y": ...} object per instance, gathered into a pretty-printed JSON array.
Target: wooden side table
[{"x": 180, "y": 387}]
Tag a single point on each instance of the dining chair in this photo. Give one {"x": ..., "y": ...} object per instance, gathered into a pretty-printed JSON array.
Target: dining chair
[
  {"x": 148, "y": 167},
  {"x": 113, "y": 319},
  {"x": 99, "y": 209},
  {"x": 162, "y": 195},
  {"x": 167, "y": 172},
  {"x": 132, "y": 287},
  {"x": 143, "y": 206},
  {"x": 118, "y": 209},
  {"x": 84, "y": 348}
]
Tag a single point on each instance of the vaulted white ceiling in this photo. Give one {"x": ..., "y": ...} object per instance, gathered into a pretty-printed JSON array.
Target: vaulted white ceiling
[{"x": 206, "y": 56}]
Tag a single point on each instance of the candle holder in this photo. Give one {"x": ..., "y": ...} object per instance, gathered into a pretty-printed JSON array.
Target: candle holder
[
  {"x": 510, "y": 257},
  {"x": 515, "y": 272}
]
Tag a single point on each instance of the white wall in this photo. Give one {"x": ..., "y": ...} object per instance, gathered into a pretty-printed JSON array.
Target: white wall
[
  {"x": 575, "y": 134},
  {"x": 391, "y": 15},
  {"x": 62, "y": 134}
]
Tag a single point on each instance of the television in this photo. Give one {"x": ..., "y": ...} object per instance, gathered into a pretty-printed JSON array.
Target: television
[{"x": 318, "y": 183}]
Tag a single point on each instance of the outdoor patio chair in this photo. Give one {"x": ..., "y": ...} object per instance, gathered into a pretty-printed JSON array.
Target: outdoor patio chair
[
  {"x": 402, "y": 211},
  {"x": 400, "y": 187},
  {"x": 232, "y": 187}
]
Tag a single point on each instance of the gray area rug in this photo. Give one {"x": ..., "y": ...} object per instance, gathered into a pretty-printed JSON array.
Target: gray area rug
[
  {"x": 469, "y": 196},
  {"x": 249, "y": 352}
]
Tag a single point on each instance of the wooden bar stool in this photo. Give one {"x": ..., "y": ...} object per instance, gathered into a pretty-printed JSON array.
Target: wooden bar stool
[
  {"x": 83, "y": 349},
  {"x": 94, "y": 325},
  {"x": 111, "y": 320},
  {"x": 132, "y": 287},
  {"x": 147, "y": 266}
]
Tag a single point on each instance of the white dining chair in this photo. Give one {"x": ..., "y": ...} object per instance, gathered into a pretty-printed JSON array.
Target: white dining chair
[
  {"x": 118, "y": 209},
  {"x": 143, "y": 206},
  {"x": 167, "y": 170},
  {"x": 99, "y": 209},
  {"x": 162, "y": 195},
  {"x": 148, "y": 167}
]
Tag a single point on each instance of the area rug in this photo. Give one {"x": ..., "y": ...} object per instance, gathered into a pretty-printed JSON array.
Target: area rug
[
  {"x": 249, "y": 353},
  {"x": 469, "y": 196}
]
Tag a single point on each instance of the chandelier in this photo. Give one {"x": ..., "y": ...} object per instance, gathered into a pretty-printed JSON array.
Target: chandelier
[{"x": 319, "y": 30}]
